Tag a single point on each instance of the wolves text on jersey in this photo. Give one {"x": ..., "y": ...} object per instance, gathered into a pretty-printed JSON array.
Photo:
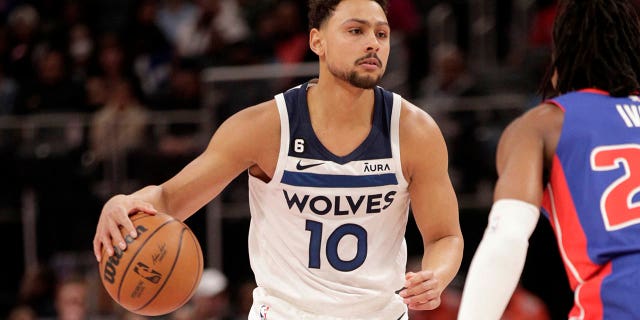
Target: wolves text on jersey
[{"x": 339, "y": 205}]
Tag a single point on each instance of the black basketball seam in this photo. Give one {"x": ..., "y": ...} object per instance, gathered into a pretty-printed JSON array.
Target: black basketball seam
[
  {"x": 168, "y": 275},
  {"x": 138, "y": 251},
  {"x": 195, "y": 283}
]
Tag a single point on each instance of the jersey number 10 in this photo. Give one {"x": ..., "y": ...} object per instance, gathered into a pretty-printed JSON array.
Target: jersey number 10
[{"x": 332, "y": 245}]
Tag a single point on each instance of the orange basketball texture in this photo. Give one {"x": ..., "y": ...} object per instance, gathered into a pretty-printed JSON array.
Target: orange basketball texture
[{"x": 160, "y": 269}]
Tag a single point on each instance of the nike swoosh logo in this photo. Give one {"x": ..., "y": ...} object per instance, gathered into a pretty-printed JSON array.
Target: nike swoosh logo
[{"x": 301, "y": 167}]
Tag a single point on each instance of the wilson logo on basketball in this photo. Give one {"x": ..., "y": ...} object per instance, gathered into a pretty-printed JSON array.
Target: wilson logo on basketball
[{"x": 110, "y": 270}]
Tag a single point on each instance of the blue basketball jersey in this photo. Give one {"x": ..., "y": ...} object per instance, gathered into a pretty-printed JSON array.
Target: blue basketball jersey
[
  {"x": 593, "y": 202},
  {"x": 326, "y": 239}
]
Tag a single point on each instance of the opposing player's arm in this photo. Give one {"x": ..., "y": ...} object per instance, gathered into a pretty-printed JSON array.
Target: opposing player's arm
[
  {"x": 434, "y": 206},
  {"x": 525, "y": 150},
  {"x": 236, "y": 145}
]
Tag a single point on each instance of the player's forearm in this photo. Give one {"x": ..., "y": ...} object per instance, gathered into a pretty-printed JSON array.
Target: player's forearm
[
  {"x": 443, "y": 257},
  {"x": 153, "y": 195},
  {"x": 498, "y": 262},
  {"x": 492, "y": 278}
]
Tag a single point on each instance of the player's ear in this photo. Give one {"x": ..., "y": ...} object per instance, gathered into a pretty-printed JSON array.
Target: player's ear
[{"x": 316, "y": 42}]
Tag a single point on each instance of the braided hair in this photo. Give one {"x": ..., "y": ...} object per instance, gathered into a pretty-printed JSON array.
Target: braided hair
[{"x": 596, "y": 44}]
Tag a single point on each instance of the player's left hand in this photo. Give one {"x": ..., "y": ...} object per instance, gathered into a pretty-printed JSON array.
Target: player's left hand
[{"x": 421, "y": 290}]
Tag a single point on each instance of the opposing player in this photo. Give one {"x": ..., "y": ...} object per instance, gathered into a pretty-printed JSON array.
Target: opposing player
[
  {"x": 333, "y": 166},
  {"x": 583, "y": 149}
]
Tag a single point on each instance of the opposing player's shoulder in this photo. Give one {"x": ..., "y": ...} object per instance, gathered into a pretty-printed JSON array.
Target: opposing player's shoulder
[
  {"x": 541, "y": 120},
  {"x": 534, "y": 133}
]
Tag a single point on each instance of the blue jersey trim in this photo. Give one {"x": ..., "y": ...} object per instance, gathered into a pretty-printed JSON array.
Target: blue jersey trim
[
  {"x": 375, "y": 146},
  {"x": 305, "y": 179}
]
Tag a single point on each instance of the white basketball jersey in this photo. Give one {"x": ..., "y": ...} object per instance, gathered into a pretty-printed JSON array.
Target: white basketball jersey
[{"x": 326, "y": 239}]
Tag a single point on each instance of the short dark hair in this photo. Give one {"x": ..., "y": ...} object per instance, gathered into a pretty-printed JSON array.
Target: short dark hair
[
  {"x": 596, "y": 44},
  {"x": 321, "y": 10}
]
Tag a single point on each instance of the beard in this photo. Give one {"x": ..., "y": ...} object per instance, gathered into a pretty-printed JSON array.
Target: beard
[{"x": 355, "y": 79}]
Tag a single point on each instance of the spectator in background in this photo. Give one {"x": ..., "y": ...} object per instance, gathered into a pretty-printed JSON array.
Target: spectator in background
[
  {"x": 218, "y": 25},
  {"x": 109, "y": 16},
  {"x": 71, "y": 299},
  {"x": 8, "y": 92},
  {"x": 451, "y": 77},
  {"x": 184, "y": 93},
  {"x": 22, "y": 312},
  {"x": 110, "y": 69},
  {"x": 210, "y": 301},
  {"x": 5, "y": 7},
  {"x": 174, "y": 13},
  {"x": 150, "y": 51},
  {"x": 450, "y": 82},
  {"x": 120, "y": 125},
  {"x": 57, "y": 19},
  {"x": 540, "y": 33},
  {"x": 406, "y": 23},
  {"x": 23, "y": 25},
  {"x": 264, "y": 25},
  {"x": 539, "y": 39},
  {"x": 292, "y": 40},
  {"x": 80, "y": 50},
  {"x": 37, "y": 290},
  {"x": 4, "y": 44},
  {"x": 52, "y": 90}
]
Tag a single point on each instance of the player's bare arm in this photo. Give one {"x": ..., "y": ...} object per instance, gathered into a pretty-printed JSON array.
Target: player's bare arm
[
  {"x": 248, "y": 139},
  {"x": 525, "y": 149},
  {"x": 434, "y": 206}
]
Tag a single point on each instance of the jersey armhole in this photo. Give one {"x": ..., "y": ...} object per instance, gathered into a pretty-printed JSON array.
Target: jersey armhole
[
  {"x": 395, "y": 138},
  {"x": 284, "y": 139}
]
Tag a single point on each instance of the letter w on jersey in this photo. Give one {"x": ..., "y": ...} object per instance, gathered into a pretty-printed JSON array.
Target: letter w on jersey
[{"x": 630, "y": 114}]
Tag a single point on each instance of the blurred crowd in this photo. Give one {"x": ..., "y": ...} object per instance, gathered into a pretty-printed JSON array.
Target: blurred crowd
[
  {"x": 67, "y": 55},
  {"x": 45, "y": 296},
  {"x": 96, "y": 76}
]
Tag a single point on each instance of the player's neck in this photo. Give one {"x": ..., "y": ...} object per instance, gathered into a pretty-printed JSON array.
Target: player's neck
[{"x": 340, "y": 101}]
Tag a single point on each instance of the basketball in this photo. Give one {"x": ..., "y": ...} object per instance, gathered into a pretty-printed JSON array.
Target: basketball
[{"x": 160, "y": 269}]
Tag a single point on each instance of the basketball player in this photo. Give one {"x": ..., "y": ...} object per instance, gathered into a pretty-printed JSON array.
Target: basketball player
[
  {"x": 583, "y": 149},
  {"x": 333, "y": 166}
]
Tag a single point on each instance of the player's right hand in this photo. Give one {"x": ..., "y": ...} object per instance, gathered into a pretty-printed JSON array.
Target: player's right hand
[{"x": 115, "y": 215}]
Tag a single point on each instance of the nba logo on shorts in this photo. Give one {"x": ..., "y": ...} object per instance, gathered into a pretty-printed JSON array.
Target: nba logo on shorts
[{"x": 263, "y": 312}]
